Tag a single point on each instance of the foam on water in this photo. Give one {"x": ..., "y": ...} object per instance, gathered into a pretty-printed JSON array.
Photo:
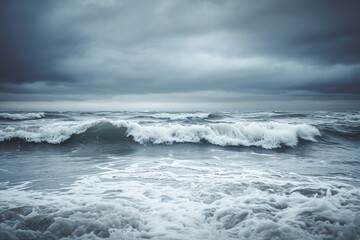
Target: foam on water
[
  {"x": 261, "y": 134},
  {"x": 22, "y": 116},
  {"x": 185, "y": 199},
  {"x": 52, "y": 133},
  {"x": 267, "y": 135}
]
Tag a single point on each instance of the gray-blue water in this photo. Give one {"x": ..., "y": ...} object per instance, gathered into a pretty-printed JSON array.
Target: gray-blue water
[{"x": 188, "y": 175}]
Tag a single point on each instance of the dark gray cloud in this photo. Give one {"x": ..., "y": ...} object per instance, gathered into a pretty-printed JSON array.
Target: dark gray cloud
[
  {"x": 243, "y": 50},
  {"x": 318, "y": 31},
  {"x": 30, "y": 48}
]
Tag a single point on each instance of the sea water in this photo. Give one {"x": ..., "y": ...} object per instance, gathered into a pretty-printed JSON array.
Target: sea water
[{"x": 180, "y": 175}]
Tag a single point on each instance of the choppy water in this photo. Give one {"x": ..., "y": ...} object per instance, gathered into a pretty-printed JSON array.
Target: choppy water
[{"x": 158, "y": 175}]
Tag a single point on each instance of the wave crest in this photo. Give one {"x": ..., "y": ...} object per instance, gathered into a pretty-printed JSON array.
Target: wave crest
[
  {"x": 266, "y": 135},
  {"x": 260, "y": 134},
  {"x": 22, "y": 116}
]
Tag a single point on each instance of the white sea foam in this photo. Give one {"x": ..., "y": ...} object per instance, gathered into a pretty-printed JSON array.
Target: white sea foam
[
  {"x": 52, "y": 133},
  {"x": 266, "y": 135},
  {"x": 261, "y": 134},
  {"x": 171, "y": 200},
  {"x": 22, "y": 116}
]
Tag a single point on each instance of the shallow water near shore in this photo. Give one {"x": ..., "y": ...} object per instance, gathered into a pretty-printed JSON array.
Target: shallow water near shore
[{"x": 193, "y": 175}]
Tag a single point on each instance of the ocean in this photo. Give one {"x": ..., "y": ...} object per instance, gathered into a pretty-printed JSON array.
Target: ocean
[{"x": 180, "y": 175}]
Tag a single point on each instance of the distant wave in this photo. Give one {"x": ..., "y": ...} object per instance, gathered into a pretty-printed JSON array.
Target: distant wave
[
  {"x": 22, "y": 116},
  {"x": 260, "y": 134},
  {"x": 350, "y": 130},
  {"x": 179, "y": 116},
  {"x": 287, "y": 115}
]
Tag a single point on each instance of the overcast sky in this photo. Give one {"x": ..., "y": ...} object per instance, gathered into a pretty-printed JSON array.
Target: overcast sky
[{"x": 180, "y": 55}]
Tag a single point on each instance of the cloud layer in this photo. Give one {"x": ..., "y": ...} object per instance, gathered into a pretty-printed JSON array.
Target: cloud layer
[{"x": 182, "y": 51}]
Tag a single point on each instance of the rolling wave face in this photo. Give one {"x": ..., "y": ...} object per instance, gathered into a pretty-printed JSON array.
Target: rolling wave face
[
  {"x": 22, "y": 116},
  {"x": 266, "y": 135},
  {"x": 350, "y": 131},
  {"x": 51, "y": 133},
  {"x": 260, "y": 134}
]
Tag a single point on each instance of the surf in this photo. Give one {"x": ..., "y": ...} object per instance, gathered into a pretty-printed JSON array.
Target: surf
[{"x": 266, "y": 135}]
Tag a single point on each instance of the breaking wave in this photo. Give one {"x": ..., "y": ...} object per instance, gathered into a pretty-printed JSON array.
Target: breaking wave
[
  {"x": 22, "y": 116},
  {"x": 260, "y": 134}
]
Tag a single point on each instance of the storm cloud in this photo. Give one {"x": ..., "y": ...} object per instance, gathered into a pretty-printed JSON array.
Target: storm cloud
[{"x": 222, "y": 53}]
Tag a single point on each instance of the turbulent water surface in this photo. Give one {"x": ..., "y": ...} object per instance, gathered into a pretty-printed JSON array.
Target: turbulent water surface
[{"x": 194, "y": 175}]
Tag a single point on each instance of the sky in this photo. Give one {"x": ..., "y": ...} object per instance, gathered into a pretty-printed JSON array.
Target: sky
[{"x": 179, "y": 55}]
